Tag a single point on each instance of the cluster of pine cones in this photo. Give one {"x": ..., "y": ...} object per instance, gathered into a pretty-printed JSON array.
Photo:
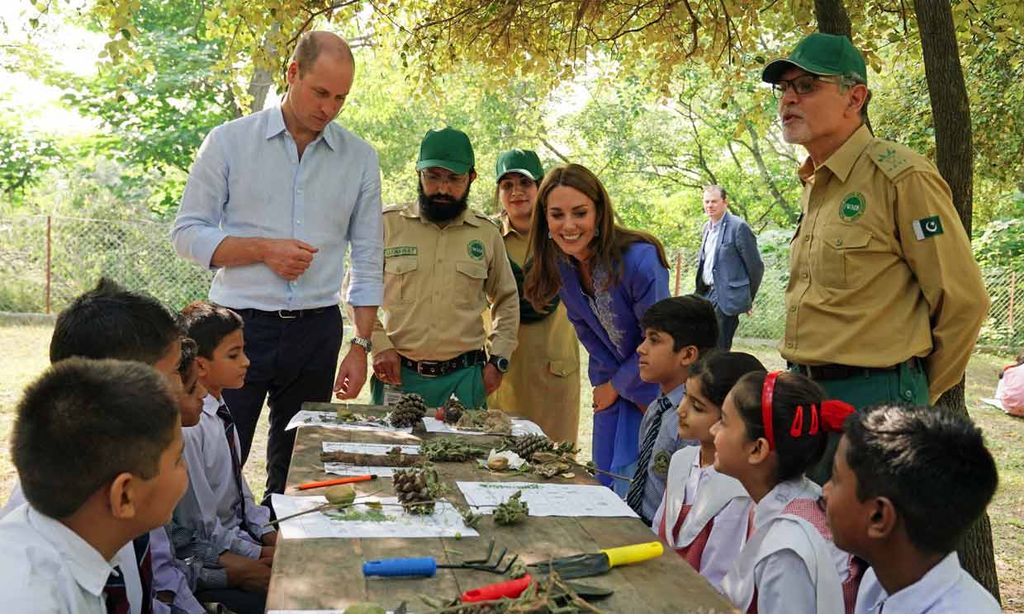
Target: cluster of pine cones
[
  {"x": 409, "y": 411},
  {"x": 527, "y": 445},
  {"x": 452, "y": 410},
  {"x": 412, "y": 486}
]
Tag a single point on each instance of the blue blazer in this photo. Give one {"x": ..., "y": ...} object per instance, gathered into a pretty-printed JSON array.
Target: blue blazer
[{"x": 737, "y": 269}]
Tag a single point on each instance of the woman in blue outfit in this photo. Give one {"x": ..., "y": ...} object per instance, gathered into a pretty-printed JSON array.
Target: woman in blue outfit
[{"x": 607, "y": 276}]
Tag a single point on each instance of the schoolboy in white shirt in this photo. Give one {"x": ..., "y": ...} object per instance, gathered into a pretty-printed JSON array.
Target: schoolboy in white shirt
[
  {"x": 906, "y": 484},
  {"x": 98, "y": 449},
  {"x": 238, "y": 526}
]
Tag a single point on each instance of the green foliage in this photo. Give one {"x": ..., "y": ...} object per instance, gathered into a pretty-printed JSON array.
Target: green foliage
[{"x": 25, "y": 156}]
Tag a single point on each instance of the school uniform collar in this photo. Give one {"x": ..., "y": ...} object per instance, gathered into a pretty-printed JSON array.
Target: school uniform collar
[
  {"x": 675, "y": 395},
  {"x": 770, "y": 507},
  {"x": 506, "y": 226},
  {"x": 211, "y": 405},
  {"x": 276, "y": 125},
  {"x": 842, "y": 160},
  {"x": 86, "y": 564},
  {"x": 921, "y": 595}
]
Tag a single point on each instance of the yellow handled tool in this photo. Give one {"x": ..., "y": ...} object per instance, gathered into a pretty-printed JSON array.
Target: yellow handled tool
[{"x": 585, "y": 565}]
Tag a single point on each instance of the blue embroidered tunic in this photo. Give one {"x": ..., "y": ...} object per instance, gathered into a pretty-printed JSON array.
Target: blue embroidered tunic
[{"x": 608, "y": 325}]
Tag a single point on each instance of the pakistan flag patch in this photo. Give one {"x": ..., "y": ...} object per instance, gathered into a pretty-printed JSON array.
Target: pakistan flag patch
[
  {"x": 852, "y": 207},
  {"x": 927, "y": 227}
]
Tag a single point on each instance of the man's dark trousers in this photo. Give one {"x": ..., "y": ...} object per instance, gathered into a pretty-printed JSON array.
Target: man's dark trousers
[
  {"x": 293, "y": 359},
  {"x": 727, "y": 324}
]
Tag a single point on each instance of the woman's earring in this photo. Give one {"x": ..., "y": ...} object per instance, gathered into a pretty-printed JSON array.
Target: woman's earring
[
  {"x": 597, "y": 232},
  {"x": 549, "y": 235}
]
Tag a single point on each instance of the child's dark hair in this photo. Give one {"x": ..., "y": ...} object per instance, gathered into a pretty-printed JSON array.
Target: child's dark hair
[
  {"x": 208, "y": 324},
  {"x": 111, "y": 322},
  {"x": 791, "y": 390},
  {"x": 690, "y": 320},
  {"x": 189, "y": 351},
  {"x": 912, "y": 456},
  {"x": 719, "y": 371},
  {"x": 85, "y": 421}
]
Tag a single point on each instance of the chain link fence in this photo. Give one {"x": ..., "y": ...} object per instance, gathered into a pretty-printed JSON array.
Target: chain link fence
[{"x": 45, "y": 261}]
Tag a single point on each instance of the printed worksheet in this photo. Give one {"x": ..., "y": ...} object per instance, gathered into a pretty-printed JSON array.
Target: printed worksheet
[
  {"x": 329, "y": 419},
  {"x": 349, "y": 469},
  {"x": 354, "y": 447},
  {"x": 366, "y": 521},
  {"x": 548, "y": 499},
  {"x": 520, "y": 426}
]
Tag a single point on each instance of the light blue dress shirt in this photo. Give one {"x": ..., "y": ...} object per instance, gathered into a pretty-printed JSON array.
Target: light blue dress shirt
[{"x": 248, "y": 181}]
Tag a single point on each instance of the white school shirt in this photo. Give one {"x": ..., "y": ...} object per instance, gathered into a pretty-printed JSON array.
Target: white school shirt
[
  {"x": 945, "y": 589},
  {"x": 712, "y": 496},
  {"x": 789, "y": 564},
  {"x": 46, "y": 567},
  {"x": 124, "y": 559},
  {"x": 213, "y": 482}
]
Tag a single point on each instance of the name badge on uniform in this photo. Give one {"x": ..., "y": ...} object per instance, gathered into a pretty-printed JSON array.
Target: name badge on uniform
[
  {"x": 927, "y": 227},
  {"x": 401, "y": 250}
]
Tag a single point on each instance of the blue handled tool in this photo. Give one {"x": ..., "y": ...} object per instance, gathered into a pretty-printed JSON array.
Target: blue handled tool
[{"x": 427, "y": 566}]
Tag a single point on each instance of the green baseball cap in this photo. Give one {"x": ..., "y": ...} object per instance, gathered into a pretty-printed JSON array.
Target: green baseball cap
[
  {"x": 522, "y": 161},
  {"x": 821, "y": 54},
  {"x": 448, "y": 148}
]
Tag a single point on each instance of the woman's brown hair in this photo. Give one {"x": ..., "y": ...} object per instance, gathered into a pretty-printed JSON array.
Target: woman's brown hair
[{"x": 607, "y": 246}]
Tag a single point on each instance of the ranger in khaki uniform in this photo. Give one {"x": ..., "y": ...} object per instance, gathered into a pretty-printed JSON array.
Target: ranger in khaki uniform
[
  {"x": 543, "y": 380},
  {"x": 443, "y": 266},
  {"x": 885, "y": 300}
]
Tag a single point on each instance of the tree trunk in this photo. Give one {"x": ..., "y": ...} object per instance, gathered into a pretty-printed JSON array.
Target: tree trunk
[
  {"x": 952, "y": 118},
  {"x": 832, "y": 17}
]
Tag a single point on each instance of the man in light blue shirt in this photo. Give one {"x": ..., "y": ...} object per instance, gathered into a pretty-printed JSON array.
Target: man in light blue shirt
[{"x": 272, "y": 204}]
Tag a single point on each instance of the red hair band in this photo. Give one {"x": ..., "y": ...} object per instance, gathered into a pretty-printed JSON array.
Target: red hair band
[{"x": 830, "y": 419}]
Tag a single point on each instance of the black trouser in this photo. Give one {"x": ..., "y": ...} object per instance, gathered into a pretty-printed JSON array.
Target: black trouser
[
  {"x": 727, "y": 324},
  {"x": 292, "y": 360},
  {"x": 235, "y": 599}
]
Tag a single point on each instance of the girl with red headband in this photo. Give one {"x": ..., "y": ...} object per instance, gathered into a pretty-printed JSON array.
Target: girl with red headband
[
  {"x": 774, "y": 427},
  {"x": 704, "y": 514}
]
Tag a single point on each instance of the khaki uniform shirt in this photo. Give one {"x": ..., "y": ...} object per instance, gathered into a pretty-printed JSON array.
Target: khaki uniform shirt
[
  {"x": 437, "y": 281},
  {"x": 881, "y": 269},
  {"x": 543, "y": 380}
]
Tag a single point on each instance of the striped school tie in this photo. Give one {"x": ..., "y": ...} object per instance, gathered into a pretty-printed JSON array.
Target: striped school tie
[
  {"x": 115, "y": 593},
  {"x": 635, "y": 496},
  {"x": 145, "y": 559},
  {"x": 236, "y": 464}
]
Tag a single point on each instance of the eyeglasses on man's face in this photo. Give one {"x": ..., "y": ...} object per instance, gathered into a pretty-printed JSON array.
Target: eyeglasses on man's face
[
  {"x": 436, "y": 179},
  {"x": 802, "y": 85}
]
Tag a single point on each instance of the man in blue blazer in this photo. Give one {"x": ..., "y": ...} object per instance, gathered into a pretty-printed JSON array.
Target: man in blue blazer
[{"x": 729, "y": 267}]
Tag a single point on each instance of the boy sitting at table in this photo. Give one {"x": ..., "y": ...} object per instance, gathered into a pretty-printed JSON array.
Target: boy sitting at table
[
  {"x": 677, "y": 331},
  {"x": 98, "y": 449},
  {"x": 218, "y": 518},
  {"x": 906, "y": 485}
]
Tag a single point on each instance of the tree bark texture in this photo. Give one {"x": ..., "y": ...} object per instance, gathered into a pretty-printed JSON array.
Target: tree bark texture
[
  {"x": 832, "y": 17},
  {"x": 953, "y": 156}
]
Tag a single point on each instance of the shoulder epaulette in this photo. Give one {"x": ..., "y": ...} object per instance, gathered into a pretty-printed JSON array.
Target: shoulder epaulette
[
  {"x": 393, "y": 208},
  {"x": 894, "y": 159},
  {"x": 494, "y": 222}
]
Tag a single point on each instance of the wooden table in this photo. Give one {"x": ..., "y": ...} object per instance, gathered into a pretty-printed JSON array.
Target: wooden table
[{"x": 327, "y": 573}]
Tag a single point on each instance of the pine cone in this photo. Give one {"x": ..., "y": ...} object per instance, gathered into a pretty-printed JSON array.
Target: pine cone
[
  {"x": 413, "y": 490},
  {"x": 409, "y": 411},
  {"x": 526, "y": 445},
  {"x": 453, "y": 410}
]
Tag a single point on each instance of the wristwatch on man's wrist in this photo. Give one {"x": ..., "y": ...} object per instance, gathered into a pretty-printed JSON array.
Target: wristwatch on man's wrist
[
  {"x": 363, "y": 342},
  {"x": 500, "y": 363}
]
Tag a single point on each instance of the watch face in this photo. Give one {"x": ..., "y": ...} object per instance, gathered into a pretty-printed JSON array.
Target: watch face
[{"x": 501, "y": 364}]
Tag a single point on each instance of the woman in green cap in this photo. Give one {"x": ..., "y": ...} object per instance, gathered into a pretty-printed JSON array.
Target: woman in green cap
[{"x": 543, "y": 382}]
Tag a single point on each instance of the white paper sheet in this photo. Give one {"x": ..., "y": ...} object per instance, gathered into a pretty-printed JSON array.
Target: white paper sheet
[
  {"x": 329, "y": 419},
  {"x": 444, "y": 522},
  {"x": 520, "y": 426},
  {"x": 347, "y": 469},
  {"x": 548, "y": 499},
  {"x": 354, "y": 447}
]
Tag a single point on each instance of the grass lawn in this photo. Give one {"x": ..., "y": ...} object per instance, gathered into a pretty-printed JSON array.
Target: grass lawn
[{"x": 26, "y": 356}]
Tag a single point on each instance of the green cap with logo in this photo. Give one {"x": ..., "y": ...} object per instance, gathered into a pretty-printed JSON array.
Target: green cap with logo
[
  {"x": 447, "y": 148},
  {"x": 522, "y": 161},
  {"x": 821, "y": 54}
]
